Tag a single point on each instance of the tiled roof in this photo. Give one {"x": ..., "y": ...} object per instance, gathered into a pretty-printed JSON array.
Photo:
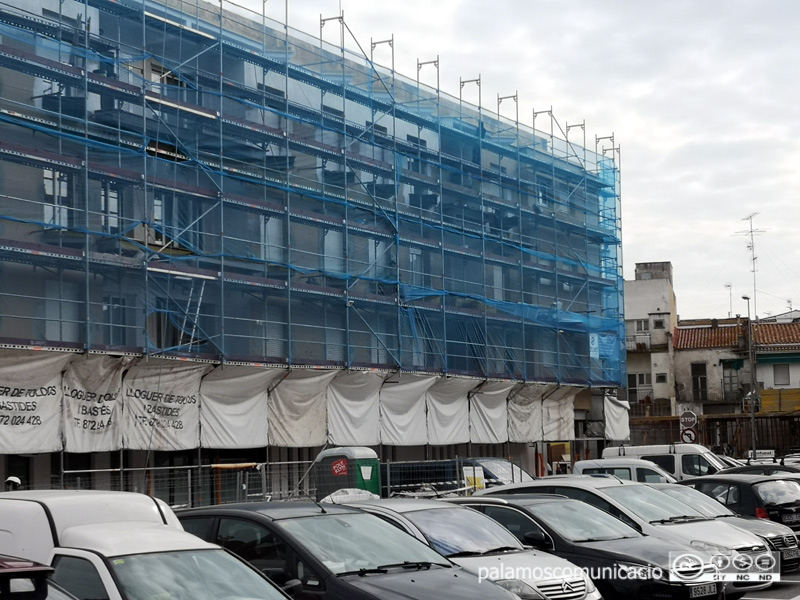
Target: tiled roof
[
  {"x": 707, "y": 337},
  {"x": 777, "y": 334}
]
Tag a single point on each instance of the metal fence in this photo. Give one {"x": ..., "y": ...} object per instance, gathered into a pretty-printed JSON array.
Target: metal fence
[
  {"x": 201, "y": 485},
  {"x": 204, "y": 485}
]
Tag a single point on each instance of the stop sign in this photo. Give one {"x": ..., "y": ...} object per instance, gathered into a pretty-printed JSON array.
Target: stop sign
[{"x": 688, "y": 419}]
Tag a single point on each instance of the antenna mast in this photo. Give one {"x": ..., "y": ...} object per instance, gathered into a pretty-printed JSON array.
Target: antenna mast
[
  {"x": 729, "y": 287},
  {"x": 752, "y": 247}
]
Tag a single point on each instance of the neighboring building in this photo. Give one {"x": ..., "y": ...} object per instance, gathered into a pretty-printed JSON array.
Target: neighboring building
[
  {"x": 650, "y": 318},
  {"x": 712, "y": 370},
  {"x": 224, "y": 240},
  {"x": 777, "y": 347}
]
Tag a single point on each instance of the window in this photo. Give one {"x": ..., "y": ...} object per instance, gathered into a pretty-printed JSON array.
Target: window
[
  {"x": 658, "y": 324},
  {"x": 114, "y": 320},
  {"x": 272, "y": 239},
  {"x": 699, "y": 382},
  {"x": 79, "y": 577},
  {"x": 513, "y": 520},
  {"x": 109, "y": 207},
  {"x": 648, "y": 476},
  {"x": 642, "y": 325},
  {"x": 781, "y": 374},
  {"x": 730, "y": 379},
  {"x": 724, "y": 493},
  {"x": 199, "y": 526},
  {"x": 661, "y": 378},
  {"x": 665, "y": 461},
  {"x": 694, "y": 464},
  {"x": 544, "y": 191},
  {"x": 587, "y": 497},
  {"x": 58, "y": 198},
  {"x": 257, "y": 545}
]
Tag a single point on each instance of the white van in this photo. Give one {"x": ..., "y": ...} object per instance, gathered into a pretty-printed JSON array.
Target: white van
[
  {"x": 682, "y": 461},
  {"x": 632, "y": 469}
]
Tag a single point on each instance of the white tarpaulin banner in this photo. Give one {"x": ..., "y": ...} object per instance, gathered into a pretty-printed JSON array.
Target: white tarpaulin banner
[
  {"x": 161, "y": 409},
  {"x": 233, "y": 406},
  {"x": 488, "y": 413},
  {"x": 448, "y": 411},
  {"x": 93, "y": 403},
  {"x": 298, "y": 415},
  {"x": 402, "y": 401},
  {"x": 558, "y": 415},
  {"x": 525, "y": 413},
  {"x": 617, "y": 423},
  {"x": 354, "y": 409},
  {"x": 30, "y": 401}
]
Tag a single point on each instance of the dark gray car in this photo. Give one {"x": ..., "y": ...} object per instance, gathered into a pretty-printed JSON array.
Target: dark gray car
[{"x": 337, "y": 552}]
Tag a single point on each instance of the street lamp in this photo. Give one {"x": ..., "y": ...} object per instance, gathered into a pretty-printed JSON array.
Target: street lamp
[{"x": 752, "y": 361}]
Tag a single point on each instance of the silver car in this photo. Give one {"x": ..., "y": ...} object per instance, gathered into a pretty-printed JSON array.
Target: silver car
[
  {"x": 653, "y": 513},
  {"x": 481, "y": 545}
]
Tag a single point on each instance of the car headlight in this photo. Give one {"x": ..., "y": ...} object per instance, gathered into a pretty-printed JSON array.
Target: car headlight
[
  {"x": 590, "y": 588},
  {"x": 520, "y": 588}
]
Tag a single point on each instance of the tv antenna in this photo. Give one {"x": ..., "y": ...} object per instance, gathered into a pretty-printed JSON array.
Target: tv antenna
[{"x": 751, "y": 245}]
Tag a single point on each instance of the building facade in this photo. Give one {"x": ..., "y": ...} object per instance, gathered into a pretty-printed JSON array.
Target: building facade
[
  {"x": 650, "y": 320},
  {"x": 225, "y": 234}
]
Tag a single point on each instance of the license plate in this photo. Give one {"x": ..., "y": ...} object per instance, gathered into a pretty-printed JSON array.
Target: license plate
[
  {"x": 793, "y": 518},
  {"x": 790, "y": 553},
  {"x": 697, "y": 591}
]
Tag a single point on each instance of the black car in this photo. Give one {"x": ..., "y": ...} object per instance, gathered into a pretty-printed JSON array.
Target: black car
[
  {"x": 337, "y": 552},
  {"x": 622, "y": 562},
  {"x": 28, "y": 580},
  {"x": 765, "y": 468},
  {"x": 762, "y": 496},
  {"x": 779, "y": 537}
]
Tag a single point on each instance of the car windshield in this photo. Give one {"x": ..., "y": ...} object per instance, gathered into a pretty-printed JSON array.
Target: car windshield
[
  {"x": 650, "y": 505},
  {"x": 698, "y": 500},
  {"x": 462, "y": 531},
  {"x": 212, "y": 574},
  {"x": 504, "y": 470},
  {"x": 581, "y": 522},
  {"x": 355, "y": 541},
  {"x": 780, "y": 491}
]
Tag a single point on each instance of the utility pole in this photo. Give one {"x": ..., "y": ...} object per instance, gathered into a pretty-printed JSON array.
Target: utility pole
[{"x": 752, "y": 360}]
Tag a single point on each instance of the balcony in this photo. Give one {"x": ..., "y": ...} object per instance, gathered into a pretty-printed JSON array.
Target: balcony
[{"x": 639, "y": 342}]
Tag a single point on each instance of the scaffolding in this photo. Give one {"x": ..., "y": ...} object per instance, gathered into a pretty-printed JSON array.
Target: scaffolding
[{"x": 195, "y": 180}]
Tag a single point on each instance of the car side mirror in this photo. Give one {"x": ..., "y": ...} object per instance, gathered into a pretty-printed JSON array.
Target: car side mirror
[
  {"x": 292, "y": 586},
  {"x": 537, "y": 539}
]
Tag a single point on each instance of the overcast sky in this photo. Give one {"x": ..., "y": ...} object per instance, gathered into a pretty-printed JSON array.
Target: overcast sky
[{"x": 702, "y": 97}]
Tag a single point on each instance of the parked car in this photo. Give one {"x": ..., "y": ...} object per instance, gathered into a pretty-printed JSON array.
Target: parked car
[
  {"x": 337, "y": 552},
  {"x": 778, "y": 537},
  {"x": 22, "y": 579},
  {"x": 680, "y": 460},
  {"x": 122, "y": 546},
  {"x": 480, "y": 544},
  {"x": 612, "y": 552},
  {"x": 763, "y": 496},
  {"x": 430, "y": 478},
  {"x": 729, "y": 461},
  {"x": 652, "y": 513},
  {"x": 632, "y": 469},
  {"x": 763, "y": 468}
]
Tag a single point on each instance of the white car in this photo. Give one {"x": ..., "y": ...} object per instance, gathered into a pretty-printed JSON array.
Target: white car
[
  {"x": 122, "y": 546},
  {"x": 483, "y": 546}
]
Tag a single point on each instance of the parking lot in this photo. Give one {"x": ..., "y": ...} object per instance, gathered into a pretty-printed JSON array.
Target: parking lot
[{"x": 787, "y": 589}]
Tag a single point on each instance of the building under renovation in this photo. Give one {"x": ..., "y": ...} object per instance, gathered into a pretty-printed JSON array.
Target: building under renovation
[{"x": 222, "y": 239}]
